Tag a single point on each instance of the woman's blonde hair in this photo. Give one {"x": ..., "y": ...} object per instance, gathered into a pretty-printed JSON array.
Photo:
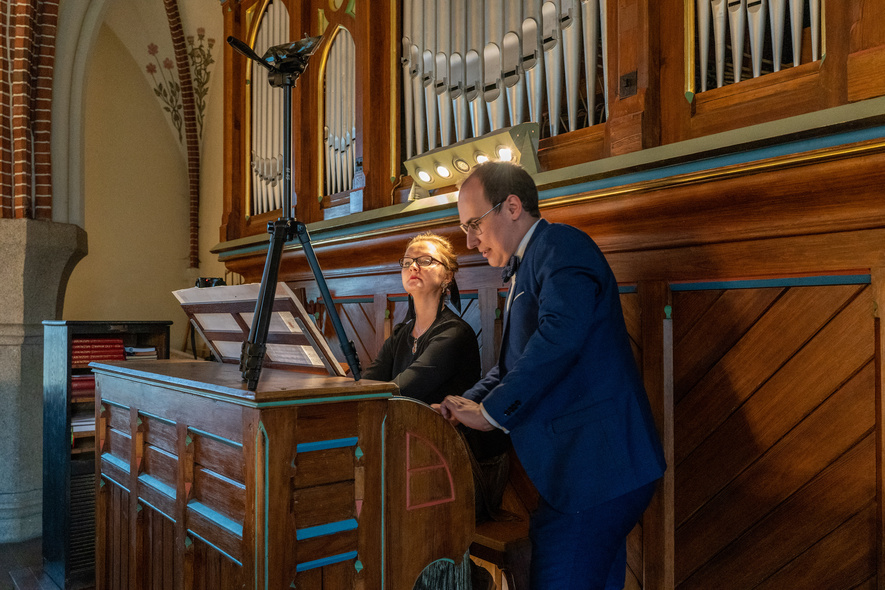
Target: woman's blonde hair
[{"x": 443, "y": 247}]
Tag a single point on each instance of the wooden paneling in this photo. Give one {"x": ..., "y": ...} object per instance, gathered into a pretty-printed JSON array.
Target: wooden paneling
[
  {"x": 158, "y": 570},
  {"x": 212, "y": 570},
  {"x": 775, "y": 434}
]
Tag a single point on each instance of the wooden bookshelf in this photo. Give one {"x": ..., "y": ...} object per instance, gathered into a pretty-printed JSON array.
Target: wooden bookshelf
[{"x": 69, "y": 435}]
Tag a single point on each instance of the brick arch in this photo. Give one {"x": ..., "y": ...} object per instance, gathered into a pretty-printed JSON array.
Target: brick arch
[{"x": 192, "y": 140}]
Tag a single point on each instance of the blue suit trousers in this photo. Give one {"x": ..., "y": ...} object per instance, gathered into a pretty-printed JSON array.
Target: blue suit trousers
[{"x": 586, "y": 550}]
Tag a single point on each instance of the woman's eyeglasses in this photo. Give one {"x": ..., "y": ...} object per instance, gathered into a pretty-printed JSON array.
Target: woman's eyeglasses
[{"x": 421, "y": 261}]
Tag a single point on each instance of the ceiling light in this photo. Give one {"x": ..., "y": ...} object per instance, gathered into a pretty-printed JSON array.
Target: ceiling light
[
  {"x": 480, "y": 158},
  {"x": 424, "y": 176},
  {"x": 505, "y": 154},
  {"x": 443, "y": 171},
  {"x": 460, "y": 165}
]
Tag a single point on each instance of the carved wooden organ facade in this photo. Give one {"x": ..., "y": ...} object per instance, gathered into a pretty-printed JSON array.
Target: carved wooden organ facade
[{"x": 727, "y": 156}]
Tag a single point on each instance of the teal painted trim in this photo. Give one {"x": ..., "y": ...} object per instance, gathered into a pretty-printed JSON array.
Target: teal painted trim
[
  {"x": 784, "y": 149},
  {"x": 622, "y": 289},
  {"x": 383, "y": 494},
  {"x": 784, "y": 282},
  {"x": 224, "y": 478},
  {"x": 217, "y": 518},
  {"x": 318, "y": 400},
  {"x": 155, "y": 417},
  {"x": 309, "y": 565},
  {"x": 216, "y": 547},
  {"x": 113, "y": 403},
  {"x": 215, "y": 437},
  {"x": 262, "y": 442},
  {"x": 326, "y": 529},
  {"x": 322, "y": 445},
  {"x": 158, "y": 485},
  {"x": 116, "y": 462},
  {"x": 155, "y": 509},
  {"x": 115, "y": 482}
]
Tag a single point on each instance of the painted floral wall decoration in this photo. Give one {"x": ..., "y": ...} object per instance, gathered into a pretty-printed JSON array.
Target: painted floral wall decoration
[{"x": 167, "y": 87}]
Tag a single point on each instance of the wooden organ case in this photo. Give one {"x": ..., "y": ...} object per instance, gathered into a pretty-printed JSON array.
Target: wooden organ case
[
  {"x": 731, "y": 172},
  {"x": 311, "y": 481}
]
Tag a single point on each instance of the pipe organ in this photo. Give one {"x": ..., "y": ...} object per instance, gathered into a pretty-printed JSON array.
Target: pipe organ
[
  {"x": 469, "y": 68},
  {"x": 740, "y": 17},
  {"x": 266, "y": 165}
]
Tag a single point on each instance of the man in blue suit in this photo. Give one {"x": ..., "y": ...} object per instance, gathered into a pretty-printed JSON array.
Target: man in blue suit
[{"x": 565, "y": 387}]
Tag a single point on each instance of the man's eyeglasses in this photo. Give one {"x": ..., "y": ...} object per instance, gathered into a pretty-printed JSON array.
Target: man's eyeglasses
[
  {"x": 421, "y": 261},
  {"x": 473, "y": 224}
]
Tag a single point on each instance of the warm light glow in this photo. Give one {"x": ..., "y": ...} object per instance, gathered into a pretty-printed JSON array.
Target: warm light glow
[
  {"x": 460, "y": 165},
  {"x": 480, "y": 157},
  {"x": 424, "y": 176},
  {"x": 443, "y": 171},
  {"x": 505, "y": 154}
]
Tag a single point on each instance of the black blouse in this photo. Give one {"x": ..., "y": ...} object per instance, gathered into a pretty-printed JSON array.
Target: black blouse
[{"x": 446, "y": 360}]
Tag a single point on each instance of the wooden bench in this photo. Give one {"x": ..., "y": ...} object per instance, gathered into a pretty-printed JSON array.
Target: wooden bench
[{"x": 505, "y": 544}]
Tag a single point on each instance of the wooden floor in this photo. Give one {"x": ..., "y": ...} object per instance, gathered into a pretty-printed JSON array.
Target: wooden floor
[{"x": 21, "y": 566}]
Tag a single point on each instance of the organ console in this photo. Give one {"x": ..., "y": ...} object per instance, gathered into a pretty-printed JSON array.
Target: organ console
[{"x": 311, "y": 481}]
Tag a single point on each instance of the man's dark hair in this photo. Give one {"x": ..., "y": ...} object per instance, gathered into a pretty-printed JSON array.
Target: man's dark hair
[{"x": 500, "y": 179}]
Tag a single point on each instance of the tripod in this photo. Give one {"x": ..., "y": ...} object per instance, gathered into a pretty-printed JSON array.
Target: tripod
[{"x": 285, "y": 63}]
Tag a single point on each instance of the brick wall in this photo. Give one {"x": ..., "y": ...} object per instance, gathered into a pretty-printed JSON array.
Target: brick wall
[{"x": 28, "y": 30}]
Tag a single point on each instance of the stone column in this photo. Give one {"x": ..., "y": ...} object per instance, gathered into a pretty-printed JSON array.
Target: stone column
[{"x": 38, "y": 257}]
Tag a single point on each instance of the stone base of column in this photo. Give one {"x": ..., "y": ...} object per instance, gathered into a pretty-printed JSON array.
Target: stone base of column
[{"x": 38, "y": 257}]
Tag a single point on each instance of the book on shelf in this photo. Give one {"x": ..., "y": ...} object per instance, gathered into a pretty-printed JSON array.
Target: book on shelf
[
  {"x": 141, "y": 352},
  {"x": 83, "y": 385},
  {"x": 81, "y": 382},
  {"x": 86, "y": 350}
]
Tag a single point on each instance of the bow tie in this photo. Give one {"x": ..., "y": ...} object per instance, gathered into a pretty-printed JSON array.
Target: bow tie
[{"x": 510, "y": 269}]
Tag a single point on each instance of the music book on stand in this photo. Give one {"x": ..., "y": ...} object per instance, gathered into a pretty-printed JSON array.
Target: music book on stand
[{"x": 222, "y": 316}]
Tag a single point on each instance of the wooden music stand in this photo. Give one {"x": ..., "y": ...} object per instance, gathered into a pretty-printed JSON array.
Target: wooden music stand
[{"x": 222, "y": 316}]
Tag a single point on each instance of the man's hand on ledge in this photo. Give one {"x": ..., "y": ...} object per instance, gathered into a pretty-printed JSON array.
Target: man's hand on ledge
[{"x": 459, "y": 410}]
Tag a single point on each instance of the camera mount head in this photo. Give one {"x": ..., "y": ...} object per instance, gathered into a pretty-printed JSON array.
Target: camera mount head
[{"x": 284, "y": 62}]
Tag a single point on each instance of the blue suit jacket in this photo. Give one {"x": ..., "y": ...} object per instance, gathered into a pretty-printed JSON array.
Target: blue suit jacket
[{"x": 566, "y": 384}]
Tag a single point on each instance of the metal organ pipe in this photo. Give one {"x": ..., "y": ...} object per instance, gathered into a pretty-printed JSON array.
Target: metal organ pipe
[
  {"x": 570, "y": 22},
  {"x": 493, "y": 84},
  {"x": 474, "y": 77},
  {"x": 417, "y": 60},
  {"x": 512, "y": 76},
  {"x": 429, "y": 74},
  {"x": 408, "y": 108},
  {"x": 532, "y": 58},
  {"x": 737, "y": 19},
  {"x": 457, "y": 69},
  {"x": 756, "y": 17},
  {"x": 719, "y": 9},
  {"x": 442, "y": 88},
  {"x": 703, "y": 16}
]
